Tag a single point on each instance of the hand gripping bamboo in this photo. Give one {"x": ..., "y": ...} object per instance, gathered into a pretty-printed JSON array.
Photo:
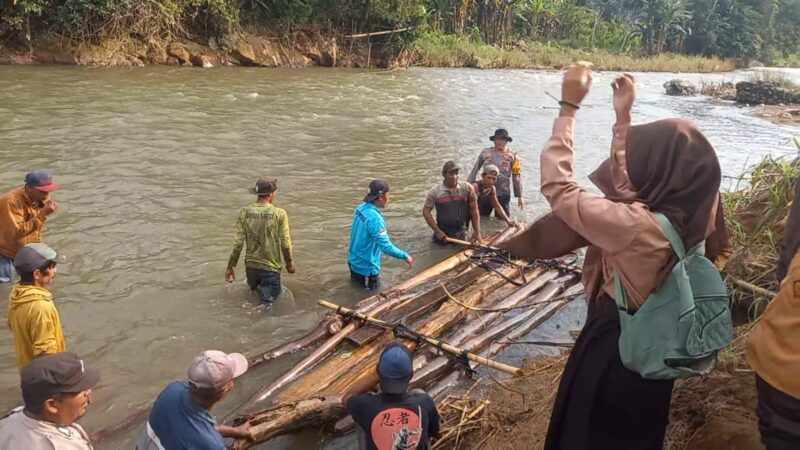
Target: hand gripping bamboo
[{"x": 515, "y": 371}]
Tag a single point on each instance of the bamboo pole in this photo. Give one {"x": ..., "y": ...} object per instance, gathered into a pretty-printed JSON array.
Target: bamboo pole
[
  {"x": 378, "y": 33},
  {"x": 432, "y": 341}
]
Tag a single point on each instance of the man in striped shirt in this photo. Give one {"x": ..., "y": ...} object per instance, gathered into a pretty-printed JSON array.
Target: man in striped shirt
[{"x": 456, "y": 204}]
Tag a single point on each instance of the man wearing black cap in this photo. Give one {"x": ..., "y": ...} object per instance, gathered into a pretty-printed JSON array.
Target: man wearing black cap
[
  {"x": 508, "y": 163},
  {"x": 57, "y": 390},
  {"x": 265, "y": 230},
  {"x": 369, "y": 238},
  {"x": 32, "y": 314},
  {"x": 23, "y": 212},
  {"x": 394, "y": 418},
  {"x": 456, "y": 204}
]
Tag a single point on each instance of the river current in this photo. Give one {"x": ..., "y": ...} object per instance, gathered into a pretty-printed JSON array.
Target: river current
[{"x": 156, "y": 162}]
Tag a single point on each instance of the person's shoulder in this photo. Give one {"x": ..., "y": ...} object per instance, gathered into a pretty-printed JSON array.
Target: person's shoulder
[
  {"x": 356, "y": 403},
  {"x": 436, "y": 191},
  {"x": 16, "y": 433}
]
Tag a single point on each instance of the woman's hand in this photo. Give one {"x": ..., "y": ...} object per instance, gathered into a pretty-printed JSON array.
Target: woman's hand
[
  {"x": 577, "y": 82},
  {"x": 624, "y": 88}
]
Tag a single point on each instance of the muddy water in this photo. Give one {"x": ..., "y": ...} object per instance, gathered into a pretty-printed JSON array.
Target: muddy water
[{"x": 156, "y": 162}]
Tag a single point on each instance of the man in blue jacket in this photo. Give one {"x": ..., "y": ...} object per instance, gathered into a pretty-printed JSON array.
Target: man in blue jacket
[{"x": 368, "y": 238}]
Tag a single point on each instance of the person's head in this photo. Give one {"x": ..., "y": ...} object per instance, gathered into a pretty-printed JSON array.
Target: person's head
[
  {"x": 211, "y": 376},
  {"x": 266, "y": 189},
  {"x": 500, "y": 138},
  {"x": 39, "y": 184},
  {"x": 672, "y": 168},
  {"x": 58, "y": 388},
  {"x": 395, "y": 368},
  {"x": 378, "y": 193},
  {"x": 489, "y": 176},
  {"x": 36, "y": 264},
  {"x": 450, "y": 174}
]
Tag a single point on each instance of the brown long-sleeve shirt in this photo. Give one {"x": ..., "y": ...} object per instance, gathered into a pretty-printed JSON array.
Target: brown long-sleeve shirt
[
  {"x": 627, "y": 234},
  {"x": 20, "y": 223}
]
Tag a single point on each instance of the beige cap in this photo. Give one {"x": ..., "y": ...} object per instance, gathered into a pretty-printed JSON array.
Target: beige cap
[
  {"x": 489, "y": 168},
  {"x": 214, "y": 369}
]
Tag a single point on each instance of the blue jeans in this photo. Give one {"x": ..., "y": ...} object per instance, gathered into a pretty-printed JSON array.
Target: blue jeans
[
  {"x": 266, "y": 282},
  {"x": 6, "y": 269}
]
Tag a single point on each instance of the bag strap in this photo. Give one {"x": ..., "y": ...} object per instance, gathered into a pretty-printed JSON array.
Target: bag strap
[{"x": 671, "y": 234}]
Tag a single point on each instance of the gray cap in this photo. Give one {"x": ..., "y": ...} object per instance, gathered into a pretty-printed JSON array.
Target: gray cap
[
  {"x": 489, "y": 168},
  {"x": 264, "y": 186},
  {"x": 34, "y": 256},
  {"x": 214, "y": 369},
  {"x": 450, "y": 166}
]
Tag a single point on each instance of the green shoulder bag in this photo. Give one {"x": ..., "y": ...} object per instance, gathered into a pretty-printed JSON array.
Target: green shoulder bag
[{"x": 681, "y": 327}]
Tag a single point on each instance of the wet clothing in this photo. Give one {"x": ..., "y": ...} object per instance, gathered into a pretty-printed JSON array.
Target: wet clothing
[
  {"x": 485, "y": 206},
  {"x": 368, "y": 240},
  {"x": 34, "y": 323},
  {"x": 509, "y": 176},
  {"x": 452, "y": 207},
  {"x": 6, "y": 269},
  {"x": 778, "y": 417},
  {"x": 178, "y": 423},
  {"x": 18, "y": 431},
  {"x": 391, "y": 421},
  {"x": 601, "y": 405},
  {"x": 264, "y": 228},
  {"x": 20, "y": 223},
  {"x": 369, "y": 282},
  {"x": 790, "y": 242},
  {"x": 266, "y": 282}
]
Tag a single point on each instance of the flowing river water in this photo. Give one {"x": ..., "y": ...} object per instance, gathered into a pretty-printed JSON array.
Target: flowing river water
[{"x": 156, "y": 162}]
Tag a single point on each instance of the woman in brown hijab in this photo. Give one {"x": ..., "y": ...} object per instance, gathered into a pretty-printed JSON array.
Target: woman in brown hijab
[{"x": 666, "y": 166}]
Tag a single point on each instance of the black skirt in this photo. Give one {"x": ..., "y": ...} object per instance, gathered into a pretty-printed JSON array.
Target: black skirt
[{"x": 600, "y": 404}]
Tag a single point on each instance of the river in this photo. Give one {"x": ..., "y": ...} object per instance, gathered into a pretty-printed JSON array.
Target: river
[{"x": 156, "y": 162}]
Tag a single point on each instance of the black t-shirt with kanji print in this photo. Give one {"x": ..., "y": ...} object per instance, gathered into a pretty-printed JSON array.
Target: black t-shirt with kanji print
[{"x": 395, "y": 422}]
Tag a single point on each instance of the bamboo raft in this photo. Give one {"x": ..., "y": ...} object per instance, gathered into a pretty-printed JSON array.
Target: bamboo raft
[{"x": 477, "y": 300}]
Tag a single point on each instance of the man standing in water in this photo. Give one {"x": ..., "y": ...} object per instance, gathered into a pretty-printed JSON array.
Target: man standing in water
[
  {"x": 369, "y": 238},
  {"x": 265, "y": 229},
  {"x": 23, "y": 212},
  {"x": 487, "y": 195},
  {"x": 510, "y": 171},
  {"x": 456, "y": 204}
]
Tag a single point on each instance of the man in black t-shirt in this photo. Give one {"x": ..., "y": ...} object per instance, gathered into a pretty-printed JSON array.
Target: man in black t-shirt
[{"x": 395, "y": 419}]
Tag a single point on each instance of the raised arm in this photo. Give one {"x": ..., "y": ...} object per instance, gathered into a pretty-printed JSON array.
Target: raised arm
[{"x": 478, "y": 164}]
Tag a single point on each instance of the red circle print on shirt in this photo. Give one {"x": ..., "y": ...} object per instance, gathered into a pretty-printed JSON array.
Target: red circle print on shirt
[{"x": 397, "y": 429}]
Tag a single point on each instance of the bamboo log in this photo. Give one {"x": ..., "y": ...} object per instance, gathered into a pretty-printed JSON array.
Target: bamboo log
[
  {"x": 329, "y": 326},
  {"x": 340, "y": 375},
  {"x": 328, "y": 346},
  {"x": 436, "y": 368},
  {"x": 430, "y": 340},
  {"x": 378, "y": 33},
  {"x": 290, "y": 417}
]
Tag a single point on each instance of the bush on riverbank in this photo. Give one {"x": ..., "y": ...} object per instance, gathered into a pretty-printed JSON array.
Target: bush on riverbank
[{"x": 441, "y": 50}]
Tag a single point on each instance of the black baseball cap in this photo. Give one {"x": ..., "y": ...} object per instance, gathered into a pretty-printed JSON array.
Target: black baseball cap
[
  {"x": 376, "y": 189},
  {"x": 57, "y": 373},
  {"x": 395, "y": 368},
  {"x": 264, "y": 186},
  {"x": 450, "y": 166}
]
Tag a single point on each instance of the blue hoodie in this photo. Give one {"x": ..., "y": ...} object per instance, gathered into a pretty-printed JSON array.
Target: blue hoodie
[{"x": 368, "y": 239}]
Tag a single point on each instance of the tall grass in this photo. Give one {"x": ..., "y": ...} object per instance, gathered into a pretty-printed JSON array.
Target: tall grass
[
  {"x": 775, "y": 77},
  {"x": 441, "y": 50},
  {"x": 756, "y": 215}
]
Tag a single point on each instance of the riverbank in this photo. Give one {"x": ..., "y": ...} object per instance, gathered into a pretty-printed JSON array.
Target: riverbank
[{"x": 308, "y": 49}]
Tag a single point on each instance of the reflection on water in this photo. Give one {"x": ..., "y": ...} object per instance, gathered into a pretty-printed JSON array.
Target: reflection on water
[{"x": 156, "y": 162}]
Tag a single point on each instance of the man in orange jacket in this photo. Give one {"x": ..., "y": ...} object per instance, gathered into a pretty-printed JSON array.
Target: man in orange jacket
[{"x": 23, "y": 212}]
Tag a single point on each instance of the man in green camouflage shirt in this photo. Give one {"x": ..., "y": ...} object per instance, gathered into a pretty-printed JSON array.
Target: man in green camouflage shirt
[{"x": 265, "y": 229}]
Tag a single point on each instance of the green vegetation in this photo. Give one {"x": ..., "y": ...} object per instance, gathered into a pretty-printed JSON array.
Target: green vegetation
[
  {"x": 435, "y": 49},
  {"x": 744, "y": 30}
]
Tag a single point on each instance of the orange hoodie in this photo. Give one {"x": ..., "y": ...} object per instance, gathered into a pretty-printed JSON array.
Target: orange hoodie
[
  {"x": 34, "y": 323},
  {"x": 20, "y": 223}
]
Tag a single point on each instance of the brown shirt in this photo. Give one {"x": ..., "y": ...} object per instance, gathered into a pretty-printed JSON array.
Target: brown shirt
[
  {"x": 19, "y": 222},
  {"x": 773, "y": 348},
  {"x": 628, "y": 236}
]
